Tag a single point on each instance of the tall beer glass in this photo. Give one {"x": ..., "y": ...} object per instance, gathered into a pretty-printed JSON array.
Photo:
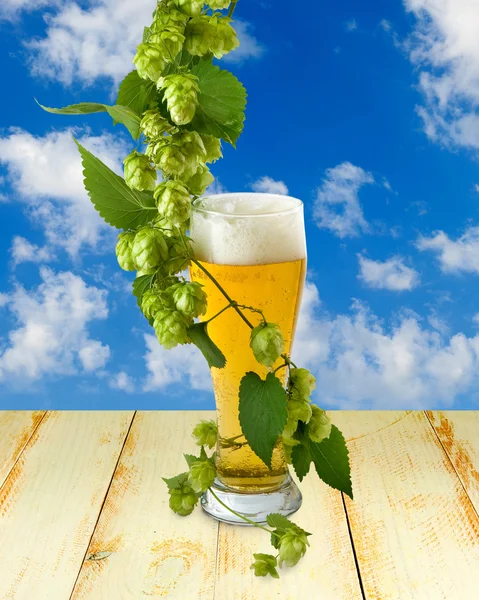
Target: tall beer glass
[{"x": 254, "y": 247}]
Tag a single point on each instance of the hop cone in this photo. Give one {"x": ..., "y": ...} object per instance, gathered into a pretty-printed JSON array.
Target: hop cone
[
  {"x": 139, "y": 174},
  {"x": 173, "y": 201},
  {"x": 149, "y": 61},
  {"x": 171, "y": 328},
  {"x": 267, "y": 343},
  {"x": 153, "y": 301},
  {"x": 149, "y": 249},
  {"x": 189, "y": 299},
  {"x": 299, "y": 410},
  {"x": 179, "y": 155},
  {"x": 292, "y": 547},
  {"x": 177, "y": 256},
  {"x": 301, "y": 383},
  {"x": 170, "y": 39},
  {"x": 226, "y": 37},
  {"x": 213, "y": 148},
  {"x": 200, "y": 181},
  {"x": 319, "y": 426},
  {"x": 192, "y": 8},
  {"x": 181, "y": 95},
  {"x": 265, "y": 564},
  {"x": 213, "y": 34},
  {"x": 183, "y": 500},
  {"x": 206, "y": 433},
  {"x": 201, "y": 476},
  {"x": 167, "y": 17},
  {"x": 123, "y": 251},
  {"x": 153, "y": 125}
]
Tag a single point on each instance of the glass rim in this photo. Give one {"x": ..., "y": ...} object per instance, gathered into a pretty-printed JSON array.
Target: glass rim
[{"x": 268, "y": 213}]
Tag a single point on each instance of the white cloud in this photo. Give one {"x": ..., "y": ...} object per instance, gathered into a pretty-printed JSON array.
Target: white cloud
[
  {"x": 269, "y": 186},
  {"x": 475, "y": 319},
  {"x": 216, "y": 188},
  {"x": 24, "y": 251},
  {"x": 392, "y": 274},
  {"x": 45, "y": 173},
  {"x": 444, "y": 46},
  {"x": 122, "y": 381},
  {"x": 10, "y": 9},
  {"x": 461, "y": 255},
  {"x": 351, "y": 25},
  {"x": 51, "y": 334},
  {"x": 182, "y": 365},
  {"x": 360, "y": 363},
  {"x": 476, "y": 187},
  {"x": 249, "y": 46},
  {"x": 337, "y": 207}
]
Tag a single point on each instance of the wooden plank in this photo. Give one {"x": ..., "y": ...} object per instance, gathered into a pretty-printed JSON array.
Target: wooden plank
[
  {"x": 459, "y": 435},
  {"x": 51, "y": 500},
  {"x": 16, "y": 428},
  {"x": 154, "y": 553},
  {"x": 415, "y": 532}
]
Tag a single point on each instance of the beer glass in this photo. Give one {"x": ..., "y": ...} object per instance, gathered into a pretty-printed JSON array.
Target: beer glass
[{"x": 254, "y": 246}]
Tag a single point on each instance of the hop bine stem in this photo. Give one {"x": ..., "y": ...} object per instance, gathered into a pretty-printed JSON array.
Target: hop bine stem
[{"x": 232, "y": 8}]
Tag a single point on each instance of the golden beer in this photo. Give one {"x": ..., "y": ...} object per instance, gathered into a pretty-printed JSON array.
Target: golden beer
[{"x": 253, "y": 246}]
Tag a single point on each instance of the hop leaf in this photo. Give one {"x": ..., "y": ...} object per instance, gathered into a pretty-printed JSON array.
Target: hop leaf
[
  {"x": 149, "y": 61},
  {"x": 267, "y": 343},
  {"x": 200, "y": 181},
  {"x": 183, "y": 500},
  {"x": 299, "y": 410},
  {"x": 139, "y": 174},
  {"x": 181, "y": 95},
  {"x": 213, "y": 148},
  {"x": 153, "y": 125},
  {"x": 154, "y": 300},
  {"x": 173, "y": 201},
  {"x": 206, "y": 433},
  {"x": 170, "y": 39},
  {"x": 319, "y": 426},
  {"x": 171, "y": 328},
  {"x": 265, "y": 564},
  {"x": 292, "y": 547},
  {"x": 189, "y": 299},
  {"x": 149, "y": 249},
  {"x": 301, "y": 384},
  {"x": 201, "y": 476},
  {"x": 192, "y": 8},
  {"x": 123, "y": 251}
]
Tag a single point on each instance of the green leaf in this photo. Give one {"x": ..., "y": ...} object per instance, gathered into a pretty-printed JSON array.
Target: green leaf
[
  {"x": 140, "y": 285},
  {"x": 331, "y": 459},
  {"x": 175, "y": 482},
  {"x": 301, "y": 457},
  {"x": 136, "y": 93},
  {"x": 190, "y": 459},
  {"x": 198, "y": 334},
  {"x": 118, "y": 204},
  {"x": 262, "y": 413},
  {"x": 120, "y": 114},
  {"x": 221, "y": 103},
  {"x": 279, "y": 521}
]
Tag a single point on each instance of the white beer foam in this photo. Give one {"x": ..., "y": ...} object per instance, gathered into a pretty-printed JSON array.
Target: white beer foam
[{"x": 248, "y": 229}]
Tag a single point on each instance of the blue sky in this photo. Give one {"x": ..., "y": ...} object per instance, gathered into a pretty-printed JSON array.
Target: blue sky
[{"x": 368, "y": 112}]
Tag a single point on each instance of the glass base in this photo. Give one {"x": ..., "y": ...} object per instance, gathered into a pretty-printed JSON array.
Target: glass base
[{"x": 284, "y": 500}]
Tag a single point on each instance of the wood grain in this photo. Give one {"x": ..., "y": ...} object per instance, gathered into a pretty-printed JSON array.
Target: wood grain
[
  {"x": 16, "y": 428},
  {"x": 154, "y": 553},
  {"x": 415, "y": 531},
  {"x": 51, "y": 500},
  {"x": 458, "y": 432}
]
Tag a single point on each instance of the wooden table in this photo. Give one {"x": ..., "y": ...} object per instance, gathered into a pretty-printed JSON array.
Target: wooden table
[{"x": 84, "y": 513}]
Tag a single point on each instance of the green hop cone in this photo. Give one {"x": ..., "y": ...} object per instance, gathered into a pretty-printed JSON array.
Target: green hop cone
[
  {"x": 292, "y": 547},
  {"x": 265, "y": 564},
  {"x": 149, "y": 249},
  {"x": 153, "y": 125},
  {"x": 206, "y": 433},
  {"x": 225, "y": 35},
  {"x": 123, "y": 251},
  {"x": 171, "y": 39},
  {"x": 139, "y": 174},
  {"x": 301, "y": 383},
  {"x": 149, "y": 61},
  {"x": 218, "y": 4},
  {"x": 173, "y": 202},
  {"x": 153, "y": 301},
  {"x": 201, "y": 476},
  {"x": 213, "y": 34},
  {"x": 267, "y": 343},
  {"x": 189, "y": 299},
  {"x": 178, "y": 256},
  {"x": 192, "y": 8},
  {"x": 299, "y": 410},
  {"x": 167, "y": 16},
  {"x": 181, "y": 95},
  {"x": 319, "y": 426},
  {"x": 212, "y": 146},
  {"x": 183, "y": 500},
  {"x": 200, "y": 181},
  {"x": 171, "y": 328},
  {"x": 179, "y": 155}
]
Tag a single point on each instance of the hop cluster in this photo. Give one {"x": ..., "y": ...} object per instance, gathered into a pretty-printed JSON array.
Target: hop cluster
[
  {"x": 153, "y": 125},
  {"x": 292, "y": 547},
  {"x": 179, "y": 155},
  {"x": 205, "y": 34},
  {"x": 149, "y": 249},
  {"x": 171, "y": 328},
  {"x": 181, "y": 94},
  {"x": 183, "y": 500},
  {"x": 267, "y": 343},
  {"x": 201, "y": 476},
  {"x": 301, "y": 384},
  {"x": 206, "y": 433},
  {"x": 173, "y": 202},
  {"x": 139, "y": 174},
  {"x": 319, "y": 426},
  {"x": 192, "y": 8}
]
